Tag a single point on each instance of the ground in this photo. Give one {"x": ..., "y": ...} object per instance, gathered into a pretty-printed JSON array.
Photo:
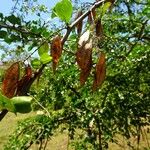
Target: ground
[{"x": 60, "y": 140}]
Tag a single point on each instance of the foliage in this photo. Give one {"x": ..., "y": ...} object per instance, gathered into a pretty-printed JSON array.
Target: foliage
[{"x": 119, "y": 101}]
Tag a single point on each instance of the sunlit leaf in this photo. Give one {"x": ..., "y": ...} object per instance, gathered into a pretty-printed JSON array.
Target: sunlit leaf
[
  {"x": 36, "y": 63},
  {"x": 43, "y": 49},
  {"x": 5, "y": 103},
  {"x": 63, "y": 10},
  {"x": 103, "y": 9},
  {"x": 45, "y": 58}
]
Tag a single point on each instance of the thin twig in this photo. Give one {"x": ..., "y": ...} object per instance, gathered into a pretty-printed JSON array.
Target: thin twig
[
  {"x": 42, "y": 107},
  {"x": 139, "y": 37}
]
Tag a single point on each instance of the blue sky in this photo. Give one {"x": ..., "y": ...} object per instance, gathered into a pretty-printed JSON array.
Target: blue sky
[{"x": 6, "y": 5}]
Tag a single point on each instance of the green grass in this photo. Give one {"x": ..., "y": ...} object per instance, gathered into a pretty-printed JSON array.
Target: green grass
[{"x": 8, "y": 124}]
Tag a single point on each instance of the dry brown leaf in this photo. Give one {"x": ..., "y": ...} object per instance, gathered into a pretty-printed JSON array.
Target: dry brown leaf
[
  {"x": 80, "y": 24},
  {"x": 56, "y": 50},
  {"x": 100, "y": 72},
  {"x": 99, "y": 28},
  {"x": 10, "y": 81}
]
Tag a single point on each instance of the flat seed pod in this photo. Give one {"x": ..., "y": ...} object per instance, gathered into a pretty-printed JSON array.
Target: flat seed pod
[
  {"x": 86, "y": 72},
  {"x": 22, "y": 84},
  {"x": 100, "y": 72},
  {"x": 10, "y": 81},
  {"x": 80, "y": 24},
  {"x": 83, "y": 55},
  {"x": 56, "y": 51},
  {"x": 93, "y": 14},
  {"x": 84, "y": 61},
  {"x": 84, "y": 39},
  {"x": 99, "y": 28}
]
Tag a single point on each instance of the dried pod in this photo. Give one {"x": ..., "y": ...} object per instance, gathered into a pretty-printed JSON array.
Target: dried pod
[
  {"x": 84, "y": 38},
  {"x": 9, "y": 84},
  {"x": 80, "y": 24},
  {"x": 56, "y": 50},
  {"x": 83, "y": 55},
  {"x": 100, "y": 72},
  {"x": 84, "y": 60},
  {"x": 99, "y": 28},
  {"x": 93, "y": 13},
  {"x": 22, "y": 84},
  {"x": 86, "y": 72},
  {"x": 90, "y": 18}
]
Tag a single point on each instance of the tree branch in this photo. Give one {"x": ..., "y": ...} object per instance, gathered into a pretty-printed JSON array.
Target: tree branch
[
  {"x": 18, "y": 29},
  {"x": 69, "y": 28},
  {"x": 139, "y": 37}
]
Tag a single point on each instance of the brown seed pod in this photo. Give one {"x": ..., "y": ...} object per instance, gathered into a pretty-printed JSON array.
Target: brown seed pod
[
  {"x": 84, "y": 60},
  {"x": 100, "y": 72},
  {"x": 9, "y": 84},
  {"x": 99, "y": 28},
  {"x": 56, "y": 51},
  {"x": 23, "y": 83},
  {"x": 80, "y": 24}
]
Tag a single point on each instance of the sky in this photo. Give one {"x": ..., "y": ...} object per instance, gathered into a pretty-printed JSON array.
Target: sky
[{"x": 6, "y": 5}]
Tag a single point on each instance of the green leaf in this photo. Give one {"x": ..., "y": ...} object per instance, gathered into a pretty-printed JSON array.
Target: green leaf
[
  {"x": 63, "y": 10},
  {"x": 43, "y": 49},
  {"x": 22, "y": 104},
  {"x": 103, "y": 9},
  {"x": 5, "y": 103},
  {"x": 35, "y": 63},
  {"x": 3, "y": 34},
  {"x": 1, "y": 15},
  {"x": 14, "y": 20},
  {"x": 45, "y": 58},
  {"x": 53, "y": 14}
]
